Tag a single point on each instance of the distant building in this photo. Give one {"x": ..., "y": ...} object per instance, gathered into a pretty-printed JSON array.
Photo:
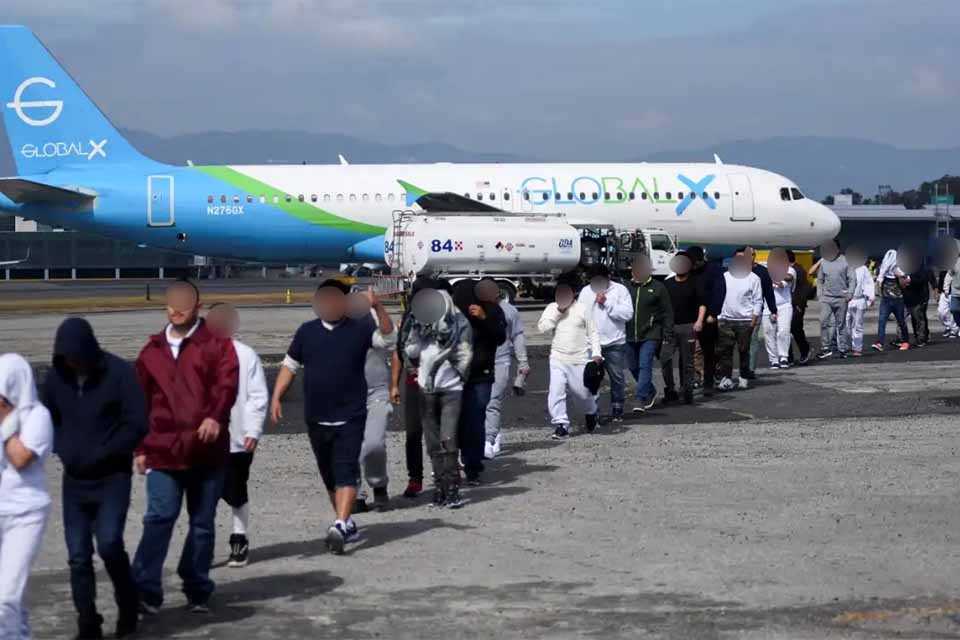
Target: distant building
[
  {"x": 877, "y": 228},
  {"x": 843, "y": 199}
]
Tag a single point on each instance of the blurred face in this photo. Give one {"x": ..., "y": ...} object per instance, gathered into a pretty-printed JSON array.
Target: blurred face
[
  {"x": 681, "y": 265},
  {"x": 223, "y": 320},
  {"x": 564, "y": 296},
  {"x": 5, "y": 408},
  {"x": 599, "y": 284},
  {"x": 751, "y": 254},
  {"x": 641, "y": 270},
  {"x": 908, "y": 259},
  {"x": 740, "y": 265},
  {"x": 946, "y": 252},
  {"x": 358, "y": 306},
  {"x": 183, "y": 307},
  {"x": 778, "y": 264},
  {"x": 829, "y": 250},
  {"x": 856, "y": 257},
  {"x": 487, "y": 291},
  {"x": 428, "y": 306},
  {"x": 330, "y": 304}
]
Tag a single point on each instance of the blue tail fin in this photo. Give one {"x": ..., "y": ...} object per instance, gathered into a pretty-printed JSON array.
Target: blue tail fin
[{"x": 50, "y": 121}]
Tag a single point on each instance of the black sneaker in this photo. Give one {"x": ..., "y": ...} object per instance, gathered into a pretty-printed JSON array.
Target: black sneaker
[
  {"x": 336, "y": 539},
  {"x": 688, "y": 395},
  {"x": 560, "y": 433},
  {"x": 616, "y": 414},
  {"x": 670, "y": 396},
  {"x": 637, "y": 410},
  {"x": 748, "y": 375},
  {"x": 127, "y": 623},
  {"x": 439, "y": 498},
  {"x": 239, "y": 551},
  {"x": 454, "y": 501},
  {"x": 823, "y": 355},
  {"x": 90, "y": 630},
  {"x": 843, "y": 355},
  {"x": 360, "y": 506},
  {"x": 148, "y": 609},
  {"x": 472, "y": 481},
  {"x": 381, "y": 500},
  {"x": 591, "y": 422},
  {"x": 198, "y": 607},
  {"x": 804, "y": 359}
]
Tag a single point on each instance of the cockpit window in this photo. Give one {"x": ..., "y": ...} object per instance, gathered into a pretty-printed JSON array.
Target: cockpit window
[
  {"x": 796, "y": 193},
  {"x": 785, "y": 194}
]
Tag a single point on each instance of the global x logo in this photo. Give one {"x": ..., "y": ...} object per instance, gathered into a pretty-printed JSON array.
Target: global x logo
[
  {"x": 96, "y": 148},
  {"x": 695, "y": 188},
  {"x": 18, "y": 105}
]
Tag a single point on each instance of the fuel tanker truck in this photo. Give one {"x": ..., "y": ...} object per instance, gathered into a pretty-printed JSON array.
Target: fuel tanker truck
[{"x": 524, "y": 254}]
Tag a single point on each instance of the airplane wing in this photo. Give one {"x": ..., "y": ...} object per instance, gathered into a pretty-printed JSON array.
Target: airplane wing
[
  {"x": 7, "y": 263},
  {"x": 24, "y": 191},
  {"x": 445, "y": 201}
]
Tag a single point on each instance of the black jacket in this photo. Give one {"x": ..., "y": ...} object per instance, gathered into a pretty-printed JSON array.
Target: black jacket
[
  {"x": 488, "y": 334},
  {"x": 710, "y": 279},
  {"x": 918, "y": 291},
  {"x": 766, "y": 285},
  {"x": 97, "y": 424}
]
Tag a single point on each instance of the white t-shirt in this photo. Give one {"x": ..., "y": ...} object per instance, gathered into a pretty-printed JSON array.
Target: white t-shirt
[
  {"x": 26, "y": 490},
  {"x": 783, "y": 295},
  {"x": 174, "y": 342}
]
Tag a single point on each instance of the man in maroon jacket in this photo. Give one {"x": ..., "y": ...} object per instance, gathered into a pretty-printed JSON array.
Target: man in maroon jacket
[{"x": 189, "y": 377}]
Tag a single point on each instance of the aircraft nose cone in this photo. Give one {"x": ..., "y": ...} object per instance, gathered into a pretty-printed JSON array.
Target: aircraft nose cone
[{"x": 831, "y": 222}]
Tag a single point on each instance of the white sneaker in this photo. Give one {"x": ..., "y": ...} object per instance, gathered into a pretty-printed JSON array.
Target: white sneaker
[
  {"x": 488, "y": 450},
  {"x": 498, "y": 444},
  {"x": 744, "y": 383},
  {"x": 726, "y": 385}
]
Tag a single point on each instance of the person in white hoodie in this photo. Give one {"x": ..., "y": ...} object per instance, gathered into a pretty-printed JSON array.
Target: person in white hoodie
[
  {"x": 576, "y": 342},
  {"x": 27, "y": 437},
  {"x": 246, "y": 427},
  {"x": 864, "y": 295},
  {"x": 776, "y": 329},
  {"x": 611, "y": 307},
  {"x": 742, "y": 307}
]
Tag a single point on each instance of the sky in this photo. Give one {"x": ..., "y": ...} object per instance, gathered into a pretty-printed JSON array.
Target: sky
[{"x": 561, "y": 79}]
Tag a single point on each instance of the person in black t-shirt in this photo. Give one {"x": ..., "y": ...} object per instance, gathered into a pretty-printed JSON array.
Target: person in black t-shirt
[
  {"x": 689, "y": 301},
  {"x": 332, "y": 351}
]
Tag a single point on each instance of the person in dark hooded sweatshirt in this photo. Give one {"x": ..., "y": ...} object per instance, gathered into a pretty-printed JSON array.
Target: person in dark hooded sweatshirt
[
  {"x": 99, "y": 417},
  {"x": 479, "y": 303}
]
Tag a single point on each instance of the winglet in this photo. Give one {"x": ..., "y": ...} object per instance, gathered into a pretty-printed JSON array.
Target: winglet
[
  {"x": 342, "y": 159},
  {"x": 413, "y": 193},
  {"x": 717, "y": 159}
]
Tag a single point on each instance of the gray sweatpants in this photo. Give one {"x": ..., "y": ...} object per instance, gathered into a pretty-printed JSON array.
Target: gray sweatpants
[
  {"x": 373, "y": 453},
  {"x": 441, "y": 418},
  {"x": 833, "y": 324},
  {"x": 501, "y": 383}
]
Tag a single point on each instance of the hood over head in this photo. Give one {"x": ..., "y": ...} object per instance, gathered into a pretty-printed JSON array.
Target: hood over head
[
  {"x": 75, "y": 341},
  {"x": 16, "y": 381}
]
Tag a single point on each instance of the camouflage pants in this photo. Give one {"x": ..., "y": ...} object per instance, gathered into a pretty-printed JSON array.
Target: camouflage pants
[{"x": 734, "y": 336}]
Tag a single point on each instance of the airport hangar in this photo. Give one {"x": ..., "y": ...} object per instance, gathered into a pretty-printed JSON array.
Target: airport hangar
[{"x": 62, "y": 254}]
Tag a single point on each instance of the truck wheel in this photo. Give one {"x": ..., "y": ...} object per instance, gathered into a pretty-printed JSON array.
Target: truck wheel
[{"x": 508, "y": 290}]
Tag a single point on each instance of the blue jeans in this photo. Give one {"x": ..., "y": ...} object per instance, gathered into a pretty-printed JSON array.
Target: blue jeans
[
  {"x": 165, "y": 492},
  {"x": 471, "y": 434},
  {"x": 955, "y": 308},
  {"x": 899, "y": 311},
  {"x": 97, "y": 509},
  {"x": 641, "y": 366}
]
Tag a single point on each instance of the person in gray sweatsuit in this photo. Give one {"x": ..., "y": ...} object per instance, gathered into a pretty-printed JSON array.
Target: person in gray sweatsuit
[
  {"x": 515, "y": 346},
  {"x": 836, "y": 282}
]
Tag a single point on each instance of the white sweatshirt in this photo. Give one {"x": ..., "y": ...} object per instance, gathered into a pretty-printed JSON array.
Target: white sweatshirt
[
  {"x": 612, "y": 316},
  {"x": 575, "y": 336},
  {"x": 863, "y": 285},
  {"x": 784, "y": 294},
  {"x": 744, "y": 299},
  {"x": 250, "y": 409}
]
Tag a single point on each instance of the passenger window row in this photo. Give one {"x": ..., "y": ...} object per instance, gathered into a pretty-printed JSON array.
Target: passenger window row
[
  {"x": 326, "y": 197},
  {"x": 619, "y": 195}
]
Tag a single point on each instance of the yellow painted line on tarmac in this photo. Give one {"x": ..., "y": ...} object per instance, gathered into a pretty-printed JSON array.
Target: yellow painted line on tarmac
[{"x": 860, "y": 617}]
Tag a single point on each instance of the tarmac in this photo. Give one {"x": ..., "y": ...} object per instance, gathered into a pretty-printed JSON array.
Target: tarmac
[{"x": 821, "y": 503}]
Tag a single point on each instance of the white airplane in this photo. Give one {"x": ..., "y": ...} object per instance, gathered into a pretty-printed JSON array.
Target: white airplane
[
  {"x": 75, "y": 170},
  {"x": 10, "y": 263}
]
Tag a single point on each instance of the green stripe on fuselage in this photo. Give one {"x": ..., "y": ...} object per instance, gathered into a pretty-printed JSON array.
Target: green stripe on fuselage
[{"x": 306, "y": 211}]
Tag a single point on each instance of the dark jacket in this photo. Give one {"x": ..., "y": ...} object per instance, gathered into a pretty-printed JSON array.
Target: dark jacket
[
  {"x": 918, "y": 291},
  {"x": 714, "y": 287},
  {"x": 201, "y": 383},
  {"x": 488, "y": 334},
  {"x": 97, "y": 422},
  {"x": 802, "y": 289},
  {"x": 652, "y": 312},
  {"x": 766, "y": 284}
]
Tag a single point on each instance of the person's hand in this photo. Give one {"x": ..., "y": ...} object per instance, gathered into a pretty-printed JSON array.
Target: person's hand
[
  {"x": 249, "y": 445},
  {"x": 372, "y": 297},
  {"x": 395, "y": 395},
  {"x": 524, "y": 371},
  {"x": 698, "y": 326},
  {"x": 754, "y": 322},
  {"x": 209, "y": 430},
  {"x": 140, "y": 464},
  {"x": 602, "y": 299},
  {"x": 276, "y": 411},
  {"x": 477, "y": 312},
  {"x": 598, "y": 359},
  {"x": 773, "y": 318}
]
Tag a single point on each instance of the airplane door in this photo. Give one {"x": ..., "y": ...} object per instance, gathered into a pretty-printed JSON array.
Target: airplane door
[
  {"x": 742, "y": 198},
  {"x": 160, "y": 201},
  {"x": 507, "y": 201}
]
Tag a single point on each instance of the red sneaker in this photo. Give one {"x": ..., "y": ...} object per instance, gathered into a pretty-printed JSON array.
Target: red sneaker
[
  {"x": 414, "y": 488},
  {"x": 905, "y": 346}
]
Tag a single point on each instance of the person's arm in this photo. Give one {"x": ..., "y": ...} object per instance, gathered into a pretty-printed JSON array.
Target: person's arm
[
  {"x": 223, "y": 392},
  {"x": 132, "y": 426},
  {"x": 493, "y": 326},
  {"x": 33, "y": 440},
  {"x": 766, "y": 287},
  {"x": 701, "y": 315},
  {"x": 549, "y": 318},
  {"x": 146, "y": 385},
  {"x": 396, "y": 370},
  {"x": 666, "y": 313},
  {"x": 383, "y": 337},
  {"x": 756, "y": 291},
  {"x": 621, "y": 306},
  {"x": 255, "y": 406},
  {"x": 593, "y": 336},
  {"x": 815, "y": 269},
  {"x": 17, "y": 454},
  {"x": 288, "y": 371}
]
